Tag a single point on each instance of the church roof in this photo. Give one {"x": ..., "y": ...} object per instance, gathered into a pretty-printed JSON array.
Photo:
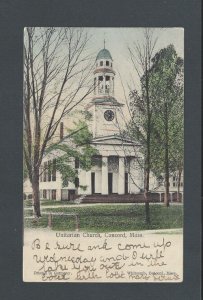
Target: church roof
[
  {"x": 109, "y": 99},
  {"x": 104, "y": 54}
]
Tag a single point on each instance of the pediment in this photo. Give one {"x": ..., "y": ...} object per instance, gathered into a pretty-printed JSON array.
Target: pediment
[{"x": 113, "y": 140}]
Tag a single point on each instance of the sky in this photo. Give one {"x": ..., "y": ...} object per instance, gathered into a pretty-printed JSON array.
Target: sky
[{"x": 117, "y": 41}]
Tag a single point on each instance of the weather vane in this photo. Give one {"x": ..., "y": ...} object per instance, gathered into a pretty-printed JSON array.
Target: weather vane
[{"x": 104, "y": 41}]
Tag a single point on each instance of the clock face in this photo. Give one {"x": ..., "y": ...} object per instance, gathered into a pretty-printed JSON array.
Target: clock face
[{"x": 109, "y": 115}]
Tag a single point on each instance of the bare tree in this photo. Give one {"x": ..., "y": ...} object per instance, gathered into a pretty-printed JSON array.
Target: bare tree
[
  {"x": 141, "y": 55},
  {"x": 56, "y": 80}
]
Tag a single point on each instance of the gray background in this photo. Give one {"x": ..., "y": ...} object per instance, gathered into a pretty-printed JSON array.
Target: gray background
[{"x": 14, "y": 15}]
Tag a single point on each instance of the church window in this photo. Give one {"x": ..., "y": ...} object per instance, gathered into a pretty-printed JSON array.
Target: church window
[
  {"x": 100, "y": 85},
  {"x": 77, "y": 182},
  {"x": 54, "y": 170},
  {"x": 44, "y": 194},
  {"x": 107, "y": 78},
  {"x": 77, "y": 163},
  {"x": 45, "y": 171},
  {"x": 53, "y": 194},
  {"x": 101, "y": 63},
  {"x": 113, "y": 163},
  {"x": 107, "y": 63},
  {"x": 127, "y": 162},
  {"x": 97, "y": 160},
  {"x": 49, "y": 170}
]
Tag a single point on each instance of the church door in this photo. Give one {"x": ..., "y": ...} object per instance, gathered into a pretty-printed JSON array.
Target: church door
[
  {"x": 93, "y": 182},
  {"x": 110, "y": 182}
]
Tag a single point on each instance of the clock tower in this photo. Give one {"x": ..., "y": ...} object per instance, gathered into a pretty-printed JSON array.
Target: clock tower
[{"x": 105, "y": 109}]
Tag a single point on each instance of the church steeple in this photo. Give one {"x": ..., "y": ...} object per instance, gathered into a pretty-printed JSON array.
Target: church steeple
[
  {"x": 104, "y": 107},
  {"x": 104, "y": 74}
]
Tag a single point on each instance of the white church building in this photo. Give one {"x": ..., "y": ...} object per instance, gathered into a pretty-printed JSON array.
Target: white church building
[{"x": 117, "y": 169}]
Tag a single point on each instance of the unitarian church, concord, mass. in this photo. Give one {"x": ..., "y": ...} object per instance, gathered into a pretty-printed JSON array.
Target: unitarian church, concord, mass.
[{"x": 117, "y": 169}]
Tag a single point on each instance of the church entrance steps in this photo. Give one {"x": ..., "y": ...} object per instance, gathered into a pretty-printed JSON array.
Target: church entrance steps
[{"x": 115, "y": 198}]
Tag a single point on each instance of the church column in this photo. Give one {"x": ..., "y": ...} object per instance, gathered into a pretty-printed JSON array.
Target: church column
[
  {"x": 88, "y": 183},
  {"x": 104, "y": 175},
  {"x": 121, "y": 176},
  {"x": 98, "y": 85}
]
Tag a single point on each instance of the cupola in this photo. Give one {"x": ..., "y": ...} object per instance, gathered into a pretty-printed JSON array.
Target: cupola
[{"x": 104, "y": 74}]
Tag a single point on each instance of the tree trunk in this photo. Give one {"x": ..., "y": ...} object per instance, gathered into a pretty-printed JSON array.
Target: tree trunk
[
  {"x": 166, "y": 196},
  {"x": 147, "y": 172},
  {"x": 147, "y": 165},
  {"x": 146, "y": 196},
  {"x": 146, "y": 181},
  {"x": 36, "y": 198},
  {"x": 178, "y": 190}
]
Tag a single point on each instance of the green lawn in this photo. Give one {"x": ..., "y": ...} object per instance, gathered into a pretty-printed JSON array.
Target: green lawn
[{"x": 105, "y": 218}]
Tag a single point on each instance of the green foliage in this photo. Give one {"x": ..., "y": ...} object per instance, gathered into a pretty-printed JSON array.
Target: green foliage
[
  {"x": 83, "y": 135},
  {"x": 87, "y": 115},
  {"x": 166, "y": 105},
  {"x": 166, "y": 89},
  {"x": 77, "y": 145},
  {"x": 68, "y": 173}
]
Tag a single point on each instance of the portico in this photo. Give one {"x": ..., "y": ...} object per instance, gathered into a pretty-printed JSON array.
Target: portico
[
  {"x": 112, "y": 175},
  {"x": 112, "y": 179}
]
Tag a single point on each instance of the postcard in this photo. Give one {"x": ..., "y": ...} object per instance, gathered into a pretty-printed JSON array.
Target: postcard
[{"x": 103, "y": 151}]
